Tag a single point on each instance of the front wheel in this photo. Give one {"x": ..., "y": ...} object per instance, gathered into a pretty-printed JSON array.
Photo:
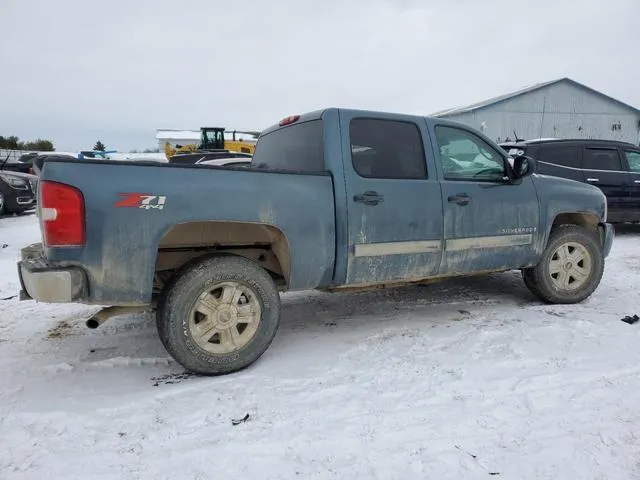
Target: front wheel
[
  {"x": 570, "y": 269},
  {"x": 219, "y": 315}
]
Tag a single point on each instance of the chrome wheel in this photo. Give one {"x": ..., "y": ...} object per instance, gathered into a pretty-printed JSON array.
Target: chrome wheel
[
  {"x": 570, "y": 266},
  {"x": 225, "y": 318}
]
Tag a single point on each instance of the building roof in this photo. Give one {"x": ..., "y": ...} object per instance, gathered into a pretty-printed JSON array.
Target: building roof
[
  {"x": 169, "y": 133},
  {"x": 531, "y": 88}
]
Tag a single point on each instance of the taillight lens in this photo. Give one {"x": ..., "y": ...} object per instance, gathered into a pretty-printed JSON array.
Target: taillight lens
[{"x": 62, "y": 215}]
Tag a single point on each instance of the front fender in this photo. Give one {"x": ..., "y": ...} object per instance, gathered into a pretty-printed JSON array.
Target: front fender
[{"x": 568, "y": 201}]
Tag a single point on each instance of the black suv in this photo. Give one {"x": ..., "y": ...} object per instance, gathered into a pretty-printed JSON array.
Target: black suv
[
  {"x": 612, "y": 166},
  {"x": 17, "y": 192}
]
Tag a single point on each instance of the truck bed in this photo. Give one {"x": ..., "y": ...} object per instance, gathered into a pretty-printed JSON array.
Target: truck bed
[{"x": 123, "y": 235}]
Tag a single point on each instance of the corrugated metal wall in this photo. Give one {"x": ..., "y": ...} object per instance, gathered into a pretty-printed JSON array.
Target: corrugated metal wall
[{"x": 560, "y": 111}]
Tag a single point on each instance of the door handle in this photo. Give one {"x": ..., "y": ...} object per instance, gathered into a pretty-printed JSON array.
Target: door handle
[
  {"x": 460, "y": 199},
  {"x": 369, "y": 198},
  {"x": 636, "y": 181},
  {"x": 593, "y": 179}
]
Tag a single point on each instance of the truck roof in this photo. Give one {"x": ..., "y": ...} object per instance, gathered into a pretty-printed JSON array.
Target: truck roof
[
  {"x": 317, "y": 114},
  {"x": 591, "y": 141}
]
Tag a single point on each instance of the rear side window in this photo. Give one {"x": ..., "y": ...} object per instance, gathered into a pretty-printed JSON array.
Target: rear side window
[
  {"x": 602, "y": 159},
  {"x": 298, "y": 148},
  {"x": 563, "y": 155},
  {"x": 387, "y": 149}
]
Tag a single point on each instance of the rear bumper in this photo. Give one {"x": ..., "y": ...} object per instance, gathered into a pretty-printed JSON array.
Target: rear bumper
[
  {"x": 608, "y": 234},
  {"x": 48, "y": 283}
]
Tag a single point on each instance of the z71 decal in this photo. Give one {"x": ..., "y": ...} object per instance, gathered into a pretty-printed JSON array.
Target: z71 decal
[{"x": 141, "y": 200}]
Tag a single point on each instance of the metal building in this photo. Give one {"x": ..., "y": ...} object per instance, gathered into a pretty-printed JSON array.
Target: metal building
[{"x": 560, "y": 108}]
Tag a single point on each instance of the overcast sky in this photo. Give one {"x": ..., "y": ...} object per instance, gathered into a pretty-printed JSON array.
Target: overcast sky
[{"x": 76, "y": 71}]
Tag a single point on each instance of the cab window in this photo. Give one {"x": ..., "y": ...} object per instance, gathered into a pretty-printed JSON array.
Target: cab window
[{"x": 465, "y": 156}]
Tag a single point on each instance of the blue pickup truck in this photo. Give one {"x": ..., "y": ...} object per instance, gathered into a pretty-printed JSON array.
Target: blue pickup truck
[{"x": 334, "y": 200}]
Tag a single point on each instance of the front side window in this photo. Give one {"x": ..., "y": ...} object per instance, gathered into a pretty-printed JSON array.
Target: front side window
[
  {"x": 387, "y": 149},
  {"x": 633, "y": 158},
  {"x": 466, "y": 156},
  {"x": 602, "y": 159}
]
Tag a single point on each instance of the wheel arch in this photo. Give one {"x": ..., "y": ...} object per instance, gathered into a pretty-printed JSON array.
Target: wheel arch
[
  {"x": 588, "y": 220},
  {"x": 184, "y": 243}
]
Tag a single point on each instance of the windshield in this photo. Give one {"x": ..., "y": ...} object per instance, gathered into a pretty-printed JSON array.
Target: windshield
[
  {"x": 298, "y": 147},
  {"x": 212, "y": 136}
]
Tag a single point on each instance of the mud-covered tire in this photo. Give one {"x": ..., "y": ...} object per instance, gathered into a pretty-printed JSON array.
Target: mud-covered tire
[
  {"x": 551, "y": 280},
  {"x": 181, "y": 303}
]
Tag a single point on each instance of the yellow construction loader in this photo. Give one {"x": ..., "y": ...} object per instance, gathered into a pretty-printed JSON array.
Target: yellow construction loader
[{"x": 212, "y": 138}]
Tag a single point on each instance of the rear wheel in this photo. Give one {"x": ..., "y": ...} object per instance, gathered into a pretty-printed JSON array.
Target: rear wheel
[
  {"x": 219, "y": 315},
  {"x": 571, "y": 266}
]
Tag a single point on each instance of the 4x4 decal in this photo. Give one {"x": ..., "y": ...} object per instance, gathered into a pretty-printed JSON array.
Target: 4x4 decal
[{"x": 141, "y": 200}]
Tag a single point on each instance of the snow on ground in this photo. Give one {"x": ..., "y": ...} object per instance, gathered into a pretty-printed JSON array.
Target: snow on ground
[{"x": 468, "y": 379}]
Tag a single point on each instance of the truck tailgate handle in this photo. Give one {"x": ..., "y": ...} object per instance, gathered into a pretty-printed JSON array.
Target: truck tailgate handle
[
  {"x": 369, "y": 198},
  {"x": 460, "y": 199}
]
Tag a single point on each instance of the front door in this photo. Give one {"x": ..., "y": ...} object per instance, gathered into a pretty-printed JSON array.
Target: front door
[
  {"x": 393, "y": 200},
  {"x": 489, "y": 224},
  {"x": 633, "y": 163},
  {"x": 603, "y": 168}
]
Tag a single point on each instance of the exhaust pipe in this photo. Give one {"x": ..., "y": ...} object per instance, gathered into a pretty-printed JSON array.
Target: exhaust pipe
[{"x": 109, "y": 312}]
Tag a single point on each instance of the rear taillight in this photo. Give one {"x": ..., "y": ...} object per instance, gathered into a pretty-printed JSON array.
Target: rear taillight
[{"x": 62, "y": 215}]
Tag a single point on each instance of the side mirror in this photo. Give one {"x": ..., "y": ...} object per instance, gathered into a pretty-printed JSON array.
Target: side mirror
[{"x": 524, "y": 166}]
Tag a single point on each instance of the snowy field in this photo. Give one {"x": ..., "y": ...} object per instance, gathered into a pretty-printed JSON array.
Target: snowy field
[{"x": 468, "y": 379}]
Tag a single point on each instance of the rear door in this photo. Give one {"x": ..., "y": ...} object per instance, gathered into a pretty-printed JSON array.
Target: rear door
[
  {"x": 489, "y": 223},
  {"x": 603, "y": 168},
  {"x": 393, "y": 199},
  {"x": 632, "y": 158}
]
